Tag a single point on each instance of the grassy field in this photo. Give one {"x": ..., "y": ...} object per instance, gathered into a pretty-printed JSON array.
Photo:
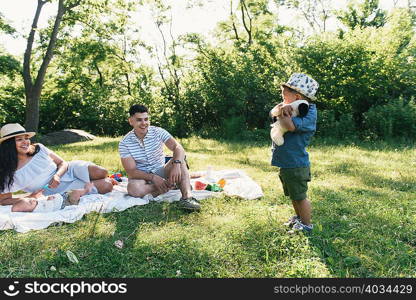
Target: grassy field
[{"x": 364, "y": 204}]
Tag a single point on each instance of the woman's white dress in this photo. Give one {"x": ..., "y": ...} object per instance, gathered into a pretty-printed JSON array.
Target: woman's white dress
[{"x": 38, "y": 172}]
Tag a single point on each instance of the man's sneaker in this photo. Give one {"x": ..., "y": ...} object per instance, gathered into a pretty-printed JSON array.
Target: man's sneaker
[
  {"x": 299, "y": 226},
  {"x": 292, "y": 221},
  {"x": 189, "y": 204}
]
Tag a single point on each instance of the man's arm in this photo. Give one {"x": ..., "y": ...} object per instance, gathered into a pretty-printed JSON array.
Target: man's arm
[
  {"x": 129, "y": 165},
  {"x": 176, "y": 148},
  {"x": 178, "y": 154}
]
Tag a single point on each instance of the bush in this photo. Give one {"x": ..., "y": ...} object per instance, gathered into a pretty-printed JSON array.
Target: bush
[
  {"x": 364, "y": 68},
  {"x": 328, "y": 125},
  {"x": 391, "y": 120},
  {"x": 234, "y": 127}
]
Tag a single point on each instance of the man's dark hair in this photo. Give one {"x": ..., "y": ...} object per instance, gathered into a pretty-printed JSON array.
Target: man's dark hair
[{"x": 138, "y": 108}]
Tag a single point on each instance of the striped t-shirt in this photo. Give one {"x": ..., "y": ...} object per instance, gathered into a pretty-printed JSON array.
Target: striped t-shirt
[{"x": 149, "y": 156}]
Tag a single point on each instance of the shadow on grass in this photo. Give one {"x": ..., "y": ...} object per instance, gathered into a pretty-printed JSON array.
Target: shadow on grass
[
  {"x": 257, "y": 164},
  {"x": 389, "y": 145},
  {"x": 99, "y": 257},
  {"x": 113, "y": 146},
  {"x": 355, "y": 240},
  {"x": 353, "y": 169}
]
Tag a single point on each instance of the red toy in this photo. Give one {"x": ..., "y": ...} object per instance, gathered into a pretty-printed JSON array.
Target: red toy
[{"x": 116, "y": 176}]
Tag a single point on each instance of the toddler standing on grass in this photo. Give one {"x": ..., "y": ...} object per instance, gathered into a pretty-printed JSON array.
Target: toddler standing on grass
[{"x": 291, "y": 157}]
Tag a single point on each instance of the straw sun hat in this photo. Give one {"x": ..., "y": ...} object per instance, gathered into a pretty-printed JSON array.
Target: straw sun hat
[
  {"x": 13, "y": 129},
  {"x": 303, "y": 84}
]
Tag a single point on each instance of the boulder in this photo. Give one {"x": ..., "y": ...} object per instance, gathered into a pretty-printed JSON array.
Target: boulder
[{"x": 66, "y": 136}]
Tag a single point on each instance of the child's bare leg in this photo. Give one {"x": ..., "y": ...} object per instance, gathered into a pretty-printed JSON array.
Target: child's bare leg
[
  {"x": 305, "y": 211},
  {"x": 295, "y": 206},
  {"x": 75, "y": 195}
]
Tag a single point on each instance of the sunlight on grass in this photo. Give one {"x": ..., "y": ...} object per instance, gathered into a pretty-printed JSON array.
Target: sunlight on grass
[{"x": 363, "y": 211}]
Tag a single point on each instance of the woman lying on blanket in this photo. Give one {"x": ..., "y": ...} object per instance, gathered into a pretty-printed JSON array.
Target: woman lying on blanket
[
  {"x": 51, "y": 203},
  {"x": 36, "y": 169}
]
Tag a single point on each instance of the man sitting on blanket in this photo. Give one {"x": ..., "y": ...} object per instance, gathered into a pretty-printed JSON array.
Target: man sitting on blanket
[{"x": 141, "y": 152}]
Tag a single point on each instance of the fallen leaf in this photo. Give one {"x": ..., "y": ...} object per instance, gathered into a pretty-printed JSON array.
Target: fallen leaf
[
  {"x": 71, "y": 256},
  {"x": 119, "y": 244}
]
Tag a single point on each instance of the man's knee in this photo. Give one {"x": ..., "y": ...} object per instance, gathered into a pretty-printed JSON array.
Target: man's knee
[{"x": 136, "y": 189}]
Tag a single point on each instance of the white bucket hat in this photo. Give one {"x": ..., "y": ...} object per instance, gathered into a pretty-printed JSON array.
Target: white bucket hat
[
  {"x": 303, "y": 84},
  {"x": 13, "y": 129}
]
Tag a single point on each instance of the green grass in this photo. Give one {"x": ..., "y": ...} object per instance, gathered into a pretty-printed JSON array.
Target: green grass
[{"x": 363, "y": 199}]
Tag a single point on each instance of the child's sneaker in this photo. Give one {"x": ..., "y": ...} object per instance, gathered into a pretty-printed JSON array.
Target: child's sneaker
[
  {"x": 299, "y": 226},
  {"x": 292, "y": 221}
]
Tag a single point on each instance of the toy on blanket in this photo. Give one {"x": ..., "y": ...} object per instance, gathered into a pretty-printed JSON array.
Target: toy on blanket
[
  {"x": 300, "y": 107},
  {"x": 213, "y": 187},
  {"x": 116, "y": 176}
]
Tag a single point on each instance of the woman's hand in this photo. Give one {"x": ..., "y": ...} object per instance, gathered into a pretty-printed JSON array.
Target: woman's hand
[{"x": 55, "y": 181}]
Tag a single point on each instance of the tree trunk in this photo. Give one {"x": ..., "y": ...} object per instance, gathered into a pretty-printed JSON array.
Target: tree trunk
[
  {"x": 32, "y": 107},
  {"x": 33, "y": 90}
]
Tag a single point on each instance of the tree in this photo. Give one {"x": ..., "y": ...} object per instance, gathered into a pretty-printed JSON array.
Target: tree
[
  {"x": 248, "y": 21},
  {"x": 8, "y": 64},
  {"x": 33, "y": 88},
  {"x": 315, "y": 12},
  {"x": 5, "y": 27},
  {"x": 361, "y": 15}
]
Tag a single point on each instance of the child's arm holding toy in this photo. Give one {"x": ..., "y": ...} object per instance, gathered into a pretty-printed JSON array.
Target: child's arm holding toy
[
  {"x": 286, "y": 122},
  {"x": 276, "y": 111},
  {"x": 285, "y": 117}
]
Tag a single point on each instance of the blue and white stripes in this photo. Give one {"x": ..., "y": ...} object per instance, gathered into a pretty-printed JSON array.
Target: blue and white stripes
[{"x": 148, "y": 155}]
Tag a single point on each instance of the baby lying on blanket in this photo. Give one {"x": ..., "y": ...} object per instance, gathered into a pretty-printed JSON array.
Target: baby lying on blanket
[{"x": 51, "y": 203}]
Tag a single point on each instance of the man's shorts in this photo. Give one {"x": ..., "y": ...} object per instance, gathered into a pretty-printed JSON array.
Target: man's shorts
[
  {"x": 295, "y": 182},
  {"x": 160, "y": 172}
]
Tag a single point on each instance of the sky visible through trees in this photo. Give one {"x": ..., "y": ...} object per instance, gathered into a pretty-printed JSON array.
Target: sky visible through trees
[{"x": 197, "y": 19}]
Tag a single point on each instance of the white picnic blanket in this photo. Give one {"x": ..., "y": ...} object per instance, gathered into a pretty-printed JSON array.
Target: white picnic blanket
[{"x": 237, "y": 184}]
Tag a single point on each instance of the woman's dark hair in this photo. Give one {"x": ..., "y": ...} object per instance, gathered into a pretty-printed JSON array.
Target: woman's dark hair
[
  {"x": 138, "y": 108},
  {"x": 9, "y": 160}
]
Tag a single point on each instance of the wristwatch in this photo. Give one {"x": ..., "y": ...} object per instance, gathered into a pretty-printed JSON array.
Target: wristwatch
[{"x": 177, "y": 161}]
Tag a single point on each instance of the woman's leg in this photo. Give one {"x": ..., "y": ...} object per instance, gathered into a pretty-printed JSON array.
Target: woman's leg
[{"x": 97, "y": 172}]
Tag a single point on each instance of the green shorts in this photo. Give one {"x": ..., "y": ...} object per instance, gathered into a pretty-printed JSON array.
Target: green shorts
[{"x": 295, "y": 182}]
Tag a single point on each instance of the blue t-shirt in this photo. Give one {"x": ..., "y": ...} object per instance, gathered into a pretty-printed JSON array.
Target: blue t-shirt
[{"x": 292, "y": 154}]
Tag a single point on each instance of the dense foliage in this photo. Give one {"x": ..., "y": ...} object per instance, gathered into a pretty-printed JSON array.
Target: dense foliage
[{"x": 227, "y": 86}]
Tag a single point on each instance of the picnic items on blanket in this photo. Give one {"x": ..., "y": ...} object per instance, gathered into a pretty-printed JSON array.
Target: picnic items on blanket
[
  {"x": 116, "y": 176},
  {"x": 214, "y": 188},
  {"x": 208, "y": 175},
  {"x": 208, "y": 182},
  {"x": 237, "y": 183},
  {"x": 200, "y": 186},
  {"x": 222, "y": 182}
]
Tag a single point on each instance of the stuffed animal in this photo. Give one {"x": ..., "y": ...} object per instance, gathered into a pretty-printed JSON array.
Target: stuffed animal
[{"x": 300, "y": 108}]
